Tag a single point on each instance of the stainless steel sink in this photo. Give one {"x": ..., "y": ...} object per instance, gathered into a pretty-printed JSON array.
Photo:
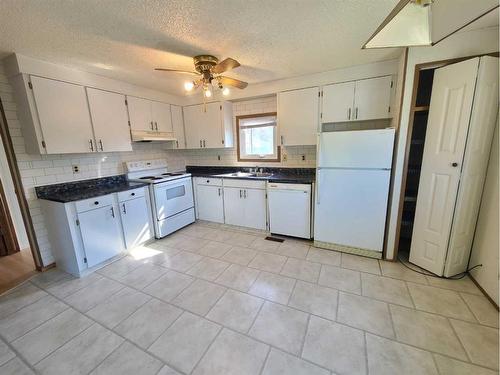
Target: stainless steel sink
[{"x": 246, "y": 174}]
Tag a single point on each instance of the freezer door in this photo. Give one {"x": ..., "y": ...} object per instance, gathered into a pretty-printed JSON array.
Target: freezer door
[
  {"x": 351, "y": 207},
  {"x": 356, "y": 149}
]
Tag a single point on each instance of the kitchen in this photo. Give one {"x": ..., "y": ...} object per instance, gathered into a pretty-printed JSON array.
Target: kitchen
[{"x": 272, "y": 212}]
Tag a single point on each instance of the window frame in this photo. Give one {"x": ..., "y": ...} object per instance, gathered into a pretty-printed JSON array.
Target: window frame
[{"x": 262, "y": 160}]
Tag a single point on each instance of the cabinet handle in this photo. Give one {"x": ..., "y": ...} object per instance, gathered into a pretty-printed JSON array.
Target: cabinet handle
[
  {"x": 219, "y": 191},
  {"x": 156, "y": 126},
  {"x": 152, "y": 128},
  {"x": 100, "y": 144},
  {"x": 132, "y": 194},
  {"x": 240, "y": 193},
  {"x": 177, "y": 142},
  {"x": 112, "y": 212},
  {"x": 124, "y": 209},
  {"x": 204, "y": 143},
  {"x": 356, "y": 112},
  {"x": 244, "y": 194},
  {"x": 281, "y": 139},
  {"x": 96, "y": 203},
  {"x": 201, "y": 144},
  {"x": 91, "y": 145},
  {"x": 349, "y": 113}
]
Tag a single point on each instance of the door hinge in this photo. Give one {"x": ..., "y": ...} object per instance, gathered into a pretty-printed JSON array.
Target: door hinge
[
  {"x": 84, "y": 260},
  {"x": 392, "y": 83},
  {"x": 44, "y": 145},
  {"x": 30, "y": 85},
  {"x": 126, "y": 102},
  {"x": 77, "y": 222}
]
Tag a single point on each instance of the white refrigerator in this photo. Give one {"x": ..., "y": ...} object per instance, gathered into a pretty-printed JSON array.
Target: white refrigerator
[{"x": 352, "y": 189}]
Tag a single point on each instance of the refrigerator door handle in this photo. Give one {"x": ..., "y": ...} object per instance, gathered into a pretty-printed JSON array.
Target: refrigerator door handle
[{"x": 318, "y": 178}]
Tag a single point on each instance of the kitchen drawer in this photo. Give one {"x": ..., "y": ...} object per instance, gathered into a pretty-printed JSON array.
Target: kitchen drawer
[
  {"x": 93, "y": 203},
  {"x": 208, "y": 181},
  {"x": 131, "y": 194},
  {"x": 250, "y": 184}
]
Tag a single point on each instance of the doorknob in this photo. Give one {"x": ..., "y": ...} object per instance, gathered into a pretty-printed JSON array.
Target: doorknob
[{"x": 454, "y": 164}]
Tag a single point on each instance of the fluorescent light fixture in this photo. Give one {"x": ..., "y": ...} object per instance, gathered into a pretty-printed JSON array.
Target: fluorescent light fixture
[{"x": 427, "y": 22}]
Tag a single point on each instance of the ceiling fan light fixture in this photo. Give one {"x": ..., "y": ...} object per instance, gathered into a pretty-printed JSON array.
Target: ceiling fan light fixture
[
  {"x": 226, "y": 91},
  {"x": 188, "y": 86},
  {"x": 207, "y": 93}
]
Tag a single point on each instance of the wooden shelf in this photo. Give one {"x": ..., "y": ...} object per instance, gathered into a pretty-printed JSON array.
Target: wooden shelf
[{"x": 422, "y": 108}]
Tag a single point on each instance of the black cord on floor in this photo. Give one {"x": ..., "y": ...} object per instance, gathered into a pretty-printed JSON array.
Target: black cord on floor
[{"x": 455, "y": 277}]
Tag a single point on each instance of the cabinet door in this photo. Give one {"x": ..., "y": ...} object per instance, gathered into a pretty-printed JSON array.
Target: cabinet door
[
  {"x": 193, "y": 122},
  {"x": 139, "y": 112},
  {"x": 212, "y": 126},
  {"x": 64, "y": 116},
  {"x": 372, "y": 98},
  {"x": 254, "y": 203},
  {"x": 110, "y": 120},
  {"x": 298, "y": 113},
  {"x": 234, "y": 209},
  {"x": 162, "y": 117},
  {"x": 209, "y": 203},
  {"x": 101, "y": 234},
  {"x": 178, "y": 126},
  {"x": 338, "y": 101},
  {"x": 135, "y": 221}
]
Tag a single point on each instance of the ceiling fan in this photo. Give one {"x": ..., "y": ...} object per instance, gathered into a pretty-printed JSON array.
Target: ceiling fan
[{"x": 209, "y": 69}]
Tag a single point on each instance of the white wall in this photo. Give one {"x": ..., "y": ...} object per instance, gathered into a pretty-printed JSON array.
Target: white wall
[
  {"x": 485, "y": 248},
  {"x": 459, "y": 45}
]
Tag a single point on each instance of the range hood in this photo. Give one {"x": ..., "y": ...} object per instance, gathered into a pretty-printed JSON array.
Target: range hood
[{"x": 149, "y": 136}]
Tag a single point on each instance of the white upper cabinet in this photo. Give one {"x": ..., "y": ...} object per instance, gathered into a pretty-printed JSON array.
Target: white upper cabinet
[
  {"x": 298, "y": 113},
  {"x": 162, "y": 118},
  {"x": 110, "y": 121},
  {"x": 140, "y": 114},
  {"x": 63, "y": 115},
  {"x": 372, "y": 98},
  {"x": 178, "y": 127},
  {"x": 212, "y": 128},
  {"x": 338, "y": 102},
  {"x": 367, "y": 99}
]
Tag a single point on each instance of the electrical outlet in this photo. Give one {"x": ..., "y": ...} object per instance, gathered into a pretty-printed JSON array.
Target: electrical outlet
[
  {"x": 285, "y": 157},
  {"x": 76, "y": 169}
]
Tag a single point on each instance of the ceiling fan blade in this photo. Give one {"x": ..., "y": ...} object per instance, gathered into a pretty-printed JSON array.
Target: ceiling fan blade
[
  {"x": 225, "y": 65},
  {"x": 232, "y": 82},
  {"x": 176, "y": 71}
]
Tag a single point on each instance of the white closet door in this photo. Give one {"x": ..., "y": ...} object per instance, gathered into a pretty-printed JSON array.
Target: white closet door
[
  {"x": 110, "y": 120},
  {"x": 298, "y": 113},
  {"x": 178, "y": 127},
  {"x": 477, "y": 151},
  {"x": 338, "y": 101},
  {"x": 64, "y": 116},
  {"x": 449, "y": 114},
  {"x": 162, "y": 117},
  {"x": 372, "y": 98},
  {"x": 139, "y": 111}
]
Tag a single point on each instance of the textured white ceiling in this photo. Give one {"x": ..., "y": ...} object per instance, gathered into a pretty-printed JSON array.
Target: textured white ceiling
[{"x": 126, "y": 39}]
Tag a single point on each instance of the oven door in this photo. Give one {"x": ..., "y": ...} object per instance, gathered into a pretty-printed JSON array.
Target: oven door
[{"x": 173, "y": 197}]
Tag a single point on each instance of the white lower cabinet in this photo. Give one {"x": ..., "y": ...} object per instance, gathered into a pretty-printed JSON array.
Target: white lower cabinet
[
  {"x": 234, "y": 206},
  {"x": 245, "y": 205},
  {"x": 101, "y": 234},
  {"x": 209, "y": 199},
  {"x": 87, "y": 233},
  {"x": 136, "y": 223}
]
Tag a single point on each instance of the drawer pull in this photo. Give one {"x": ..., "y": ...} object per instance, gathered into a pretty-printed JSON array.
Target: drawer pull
[
  {"x": 132, "y": 194},
  {"x": 96, "y": 203}
]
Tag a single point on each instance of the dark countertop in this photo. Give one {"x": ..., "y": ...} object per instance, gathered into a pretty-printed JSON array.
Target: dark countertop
[
  {"x": 78, "y": 190},
  {"x": 284, "y": 175}
]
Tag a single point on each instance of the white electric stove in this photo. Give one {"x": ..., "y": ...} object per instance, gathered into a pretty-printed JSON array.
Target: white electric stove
[{"x": 171, "y": 193}]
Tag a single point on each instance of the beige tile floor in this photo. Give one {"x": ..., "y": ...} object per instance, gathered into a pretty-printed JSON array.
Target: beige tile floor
[{"x": 212, "y": 299}]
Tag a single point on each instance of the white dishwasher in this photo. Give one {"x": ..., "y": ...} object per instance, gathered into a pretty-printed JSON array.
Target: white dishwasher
[{"x": 289, "y": 209}]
